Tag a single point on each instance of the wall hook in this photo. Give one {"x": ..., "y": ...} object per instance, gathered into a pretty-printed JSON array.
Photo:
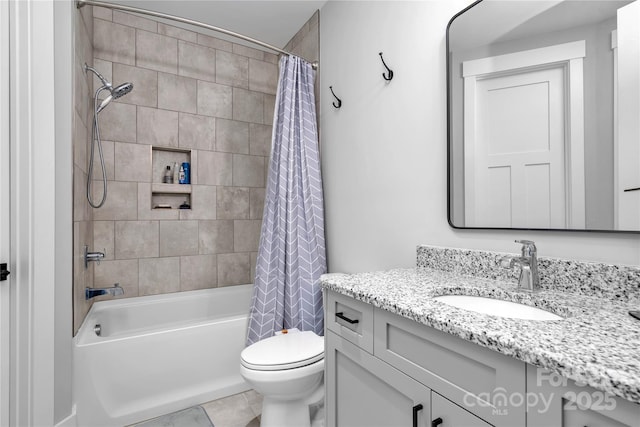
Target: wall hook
[
  {"x": 389, "y": 70},
  {"x": 337, "y": 99}
]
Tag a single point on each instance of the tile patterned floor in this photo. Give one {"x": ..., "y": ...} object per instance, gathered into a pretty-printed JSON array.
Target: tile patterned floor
[{"x": 239, "y": 410}]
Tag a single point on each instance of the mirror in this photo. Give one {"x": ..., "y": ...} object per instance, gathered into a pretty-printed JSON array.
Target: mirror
[{"x": 544, "y": 115}]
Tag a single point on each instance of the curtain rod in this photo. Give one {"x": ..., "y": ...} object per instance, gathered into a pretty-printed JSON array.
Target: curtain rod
[{"x": 82, "y": 3}]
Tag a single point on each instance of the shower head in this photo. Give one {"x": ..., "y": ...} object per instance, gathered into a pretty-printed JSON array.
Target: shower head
[{"x": 116, "y": 93}]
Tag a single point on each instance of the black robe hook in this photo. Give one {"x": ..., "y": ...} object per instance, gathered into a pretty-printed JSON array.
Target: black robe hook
[
  {"x": 337, "y": 99},
  {"x": 389, "y": 70}
]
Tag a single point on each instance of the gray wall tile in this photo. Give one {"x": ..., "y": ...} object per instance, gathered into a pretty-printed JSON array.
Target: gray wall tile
[
  {"x": 102, "y": 13},
  {"x": 232, "y": 136},
  {"x": 214, "y": 168},
  {"x": 198, "y": 272},
  {"x": 114, "y": 42},
  {"x": 124, "y": 272},
  {"x": 248, "y": 106},
  {"x": 178, "y": 238},
  {"x": 197, "y": 132},
  {"x": 134, "y": 21},
  {"x": 232, "y": 70},
  {"x": 145, "y": 84},
  {"x": 269, "y": 107},
  {"x": 132, "y": 162},
  {"x": 234, "y": 269},
  {"x": 196, "y": 61},
  {"x": 121, "y": 203},
  {"x": 263, "y": 76},
  {"x": 246, "y": 235},
  {"x": 118, "y": 122},
  {"x": 248, "y": 171},
  {"x": 233, "y": 203},
  {"x": 156, "y": 52},
  {"x": 159, "y": 275},
  {"x": 260, "y": 139},
  {"x": 179, "y": 33},
  {"x": 248, "y": 51},
  {"x": 214, "y": 100},
  {"x": 214, "y": 42},
  {"x": 203, "y": 202},
  {"x": 215, "y": 236},
  {"x": 256, "y": 200},
  {"x": 137, "y": 239},
  {"x": 104, "y": 238},
  {"x": 157, "y": 127},
  {"x": 177, "y": 93}
]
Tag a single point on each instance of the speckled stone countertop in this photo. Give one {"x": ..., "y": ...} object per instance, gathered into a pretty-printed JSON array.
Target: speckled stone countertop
[{"x": 598, "y": 342}]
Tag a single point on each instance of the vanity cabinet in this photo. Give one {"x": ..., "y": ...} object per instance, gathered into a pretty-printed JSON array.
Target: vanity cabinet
[
  {"x": 558, "y": 401},
  {"x": 380, "y": 366},
  {"x": 363, "y": 389}
]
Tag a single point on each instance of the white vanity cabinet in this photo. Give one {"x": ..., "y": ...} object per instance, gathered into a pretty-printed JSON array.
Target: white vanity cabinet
[
  {"x": 557, "y": 401},
  {"x": 364, "y": 389},
  {"x": 381, "y": 368}
]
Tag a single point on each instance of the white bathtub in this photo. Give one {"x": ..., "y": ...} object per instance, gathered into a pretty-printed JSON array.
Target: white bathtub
[{"x": 159, "y": 354}]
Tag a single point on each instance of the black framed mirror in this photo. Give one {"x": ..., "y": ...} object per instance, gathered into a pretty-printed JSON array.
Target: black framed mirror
[{"x": 543, "y": 115}]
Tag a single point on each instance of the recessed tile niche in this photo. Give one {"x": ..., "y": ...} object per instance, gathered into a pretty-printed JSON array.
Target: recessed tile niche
[{"x": 169, "y": 196}]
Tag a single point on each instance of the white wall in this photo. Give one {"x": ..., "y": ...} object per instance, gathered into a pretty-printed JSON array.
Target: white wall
[{"x": 384, "y": 151}]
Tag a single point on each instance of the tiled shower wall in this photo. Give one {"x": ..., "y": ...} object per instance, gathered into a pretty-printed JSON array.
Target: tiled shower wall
[
  {"x": 195, "y": 92},
  {"x": 82, "y": 213}
]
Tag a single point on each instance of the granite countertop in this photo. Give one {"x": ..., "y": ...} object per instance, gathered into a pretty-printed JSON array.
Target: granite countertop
[{"x": 598, "y": 342}]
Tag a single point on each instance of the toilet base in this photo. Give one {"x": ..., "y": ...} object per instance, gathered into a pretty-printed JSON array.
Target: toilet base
[{"x": 285, "y": 413}]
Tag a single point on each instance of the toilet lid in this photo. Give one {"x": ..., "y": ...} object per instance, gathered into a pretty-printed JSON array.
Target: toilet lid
[{"x": 286, "y": 351}]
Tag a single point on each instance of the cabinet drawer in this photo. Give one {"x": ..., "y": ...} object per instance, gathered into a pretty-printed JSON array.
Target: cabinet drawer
[
  {"x": 451, "y": 414},
  {"x": 351, "y": 319},
  {"x": 556, "y": 400},
  {"x": 475, "y": 378}
]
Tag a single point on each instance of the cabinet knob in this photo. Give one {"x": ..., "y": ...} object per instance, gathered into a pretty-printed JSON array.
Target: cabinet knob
[
  {"x": 416, "y": 409},
  {"x": 436, "y": 422}
]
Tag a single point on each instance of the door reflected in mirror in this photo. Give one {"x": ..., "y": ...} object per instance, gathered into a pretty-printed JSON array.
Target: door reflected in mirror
[{"x": 544, "y": 115}]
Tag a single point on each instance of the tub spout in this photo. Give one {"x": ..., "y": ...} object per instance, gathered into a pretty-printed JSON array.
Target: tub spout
[{"x": 114, "y": 291}]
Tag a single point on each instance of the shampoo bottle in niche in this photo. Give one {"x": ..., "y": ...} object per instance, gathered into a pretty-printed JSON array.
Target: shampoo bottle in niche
[
  {"x": 185, "y": 173},
  {"x": 176, "y": 173},
  {"x": 168, "y": 176}
]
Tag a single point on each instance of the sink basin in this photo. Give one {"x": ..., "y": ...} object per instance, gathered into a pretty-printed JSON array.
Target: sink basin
[{"x": 497, "y": 307}]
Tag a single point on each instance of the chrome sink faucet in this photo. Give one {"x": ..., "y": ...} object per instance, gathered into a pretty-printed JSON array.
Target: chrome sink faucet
[{"x": 528, "y": 262}]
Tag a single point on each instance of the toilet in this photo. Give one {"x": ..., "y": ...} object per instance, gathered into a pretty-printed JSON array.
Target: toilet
[{"x": 288, "y": 370}]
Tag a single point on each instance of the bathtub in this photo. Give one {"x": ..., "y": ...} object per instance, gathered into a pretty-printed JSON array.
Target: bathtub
[{"x": 159, "y": 354}]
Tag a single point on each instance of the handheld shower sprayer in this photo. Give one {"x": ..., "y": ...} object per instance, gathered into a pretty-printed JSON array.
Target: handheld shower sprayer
[{"x": 114, "y": 93}]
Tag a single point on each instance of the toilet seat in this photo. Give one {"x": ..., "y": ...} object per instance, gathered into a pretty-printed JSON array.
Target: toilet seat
[{"x": 287, "y": 351}]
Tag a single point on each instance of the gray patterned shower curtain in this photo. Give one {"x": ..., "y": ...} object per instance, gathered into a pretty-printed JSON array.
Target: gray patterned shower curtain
[{"x": 291, "y": 255}]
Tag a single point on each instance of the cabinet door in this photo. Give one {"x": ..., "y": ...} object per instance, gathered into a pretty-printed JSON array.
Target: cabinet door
[
  {"x": 556, "y": 401},
  {"x": 451, "y": 414},
  {"x": 364, "y": 391},
  {"x": 482, "y": 381}
]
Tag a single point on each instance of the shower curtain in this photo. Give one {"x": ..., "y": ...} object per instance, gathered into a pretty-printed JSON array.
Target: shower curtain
[{"x": 291, "y": 255}]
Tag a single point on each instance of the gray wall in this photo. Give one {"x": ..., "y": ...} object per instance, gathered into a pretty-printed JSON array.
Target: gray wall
[
  {"x": 598, "y": 114},
  {"x": 384, "y": 151}
]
